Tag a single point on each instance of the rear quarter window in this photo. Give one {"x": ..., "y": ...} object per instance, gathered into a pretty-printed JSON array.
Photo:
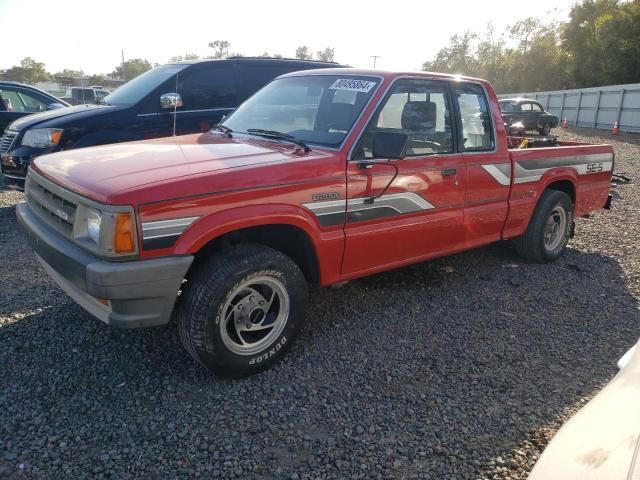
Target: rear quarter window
[{"x": 475, "y": 118}]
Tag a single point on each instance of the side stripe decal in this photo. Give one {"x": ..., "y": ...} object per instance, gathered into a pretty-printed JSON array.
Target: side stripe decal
[
  {"x": 164, "y": 233},
  {"x": 357, "y": 210},
  {"x": 501, "y": 172},
  {"x": 533, "y": 170}
]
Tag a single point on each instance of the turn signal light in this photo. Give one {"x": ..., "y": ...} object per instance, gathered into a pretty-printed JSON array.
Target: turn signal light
[
  {"x": 55, "y": 136},
  {"x": 123, "y": 242}
]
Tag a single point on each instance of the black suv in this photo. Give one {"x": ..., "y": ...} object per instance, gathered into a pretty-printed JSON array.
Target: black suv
[
  {"x": 19, "y": 100},
  {"x": 200, "y": 93}
]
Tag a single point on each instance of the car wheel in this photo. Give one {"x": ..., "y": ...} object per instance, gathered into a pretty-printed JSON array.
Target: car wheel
[
  {"x": 241, "y": 309},
  {"x": 545, "y": 130},
  {"x": 549, "y": 229}
]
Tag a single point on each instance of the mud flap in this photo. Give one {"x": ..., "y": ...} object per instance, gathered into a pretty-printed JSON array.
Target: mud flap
[{"x": 607, "y": 205}]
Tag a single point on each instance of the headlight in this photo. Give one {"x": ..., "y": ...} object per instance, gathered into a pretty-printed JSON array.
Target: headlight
[
  {"x": 42, "y": 137},
  {"x": 94, "y": 219},
  {"x": 108, "y": 231}
]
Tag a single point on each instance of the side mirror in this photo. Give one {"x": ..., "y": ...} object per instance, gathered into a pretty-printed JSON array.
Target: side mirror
[
  {"x": 170, "y": 100},
  {"x": 55, "y": 106},
  {"x": 390, "y": 145}
]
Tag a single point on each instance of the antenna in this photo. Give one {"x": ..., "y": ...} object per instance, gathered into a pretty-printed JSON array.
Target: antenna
[
  {"x": 375, "y": 59},
  {"x": 175, "y": 107},
  {"x": 124, "y": 75}
]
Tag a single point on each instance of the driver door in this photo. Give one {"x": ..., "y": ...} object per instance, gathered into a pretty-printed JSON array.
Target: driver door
[{"x": 418, "y": 213}]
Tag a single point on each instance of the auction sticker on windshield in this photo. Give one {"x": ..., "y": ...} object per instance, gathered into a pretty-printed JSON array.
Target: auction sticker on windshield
[{"x": 352, "y": 84}]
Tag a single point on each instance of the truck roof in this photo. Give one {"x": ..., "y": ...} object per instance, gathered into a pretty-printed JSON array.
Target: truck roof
[
  {"x": 253, "y": 60},
  {"x": 518, "y": 100}
]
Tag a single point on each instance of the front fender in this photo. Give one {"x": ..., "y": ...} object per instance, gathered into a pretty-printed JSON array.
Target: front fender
[{"x": 213, "y": 226}]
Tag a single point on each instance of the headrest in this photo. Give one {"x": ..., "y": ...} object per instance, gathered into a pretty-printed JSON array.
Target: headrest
[
  {"x": 340, "y": 116},
  {"x": 419, "y": 116}
]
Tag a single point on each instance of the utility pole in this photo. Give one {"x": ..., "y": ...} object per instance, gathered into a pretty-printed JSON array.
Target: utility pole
[
  {"x": 375, "y": 59},
  {"x": 123, "y": 72}
]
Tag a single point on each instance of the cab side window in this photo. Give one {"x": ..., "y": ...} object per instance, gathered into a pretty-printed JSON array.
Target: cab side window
[
  {"x": 31, "y": 103},
  {"x": 419, "y": 109},
  {"x": 12, "y": 101},
  {"x": 536, "y": 108},
  {"x": 525, "y": 107},
  {"x": 256, "y": 76},
  {"x": 208, "y": 88},
  {"x": 475, "y": 116}
]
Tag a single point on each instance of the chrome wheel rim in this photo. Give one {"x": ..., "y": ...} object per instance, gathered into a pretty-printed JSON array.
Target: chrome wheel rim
[
  {"x": 555, "y": 228},
  {"x": 254, "y": 315}
]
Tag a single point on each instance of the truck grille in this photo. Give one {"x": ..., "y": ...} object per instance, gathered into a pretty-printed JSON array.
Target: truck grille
[
  {"x": 49, "y": 203},
  {"x": 7, "y": 140}
]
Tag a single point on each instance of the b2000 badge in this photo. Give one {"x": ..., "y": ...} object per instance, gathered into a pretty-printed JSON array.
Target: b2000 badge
[{"x": 318, "y": 197}]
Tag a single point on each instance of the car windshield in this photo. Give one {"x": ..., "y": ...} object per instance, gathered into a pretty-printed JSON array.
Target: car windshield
[
  {"x": 508, "y": 107},
  {"x": 135, "y": 90},
  {"x": 316, "y": 109}
]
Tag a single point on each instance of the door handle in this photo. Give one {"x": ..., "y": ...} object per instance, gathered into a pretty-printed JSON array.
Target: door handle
[{"x": 449, "y": 171}]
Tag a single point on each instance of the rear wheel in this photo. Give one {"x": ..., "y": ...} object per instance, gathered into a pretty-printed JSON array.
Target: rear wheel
[
  {"x": 241, "y": 309},
  {"x": 545, "y": 129},
  {"x": 549, "y": 229}
]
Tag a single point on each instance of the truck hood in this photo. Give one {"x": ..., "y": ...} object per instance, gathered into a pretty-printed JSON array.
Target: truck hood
[
  {"x": 165, "y": 166},
  {"x": 74, "y": 113}
]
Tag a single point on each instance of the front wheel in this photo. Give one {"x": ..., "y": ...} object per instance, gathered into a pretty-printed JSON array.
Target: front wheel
[
  {"x": 549, "y": 229},
  {"x": 241, "y": 309}
]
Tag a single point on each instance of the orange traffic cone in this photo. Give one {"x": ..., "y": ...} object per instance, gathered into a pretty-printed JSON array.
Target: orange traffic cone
[
  {"x": 614, "y": 130},
  {"x": 565, "y": 124}
]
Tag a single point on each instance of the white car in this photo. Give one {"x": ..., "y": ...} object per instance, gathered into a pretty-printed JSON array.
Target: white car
[{"x": 601, "y": 441}]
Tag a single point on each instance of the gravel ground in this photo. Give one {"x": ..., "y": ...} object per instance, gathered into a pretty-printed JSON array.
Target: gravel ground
[{"x": 458, "y": 368}]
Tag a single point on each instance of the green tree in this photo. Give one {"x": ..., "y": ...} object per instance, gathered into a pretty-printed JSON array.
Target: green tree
[
  {"x": 131, "y": 69},
  {"x": 458, "y": 58},
  {"x": 220, "y": 48},
  {"x": 180, "y": 58},
  {"x": 326, "y": 55},
  {"x": 303, "y": 53},
  {"x": 67, "y": 72},
  {"x": 29, "y": 71},
  {"x": 97, "y": 79},
  {"x": 602, "y": 39}
]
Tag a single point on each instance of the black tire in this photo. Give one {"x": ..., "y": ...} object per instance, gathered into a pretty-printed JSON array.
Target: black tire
[
  {"x": 545, "y": 130},
  {"x": 201, "y": 310},
  {"x": 532, "y": 244}
]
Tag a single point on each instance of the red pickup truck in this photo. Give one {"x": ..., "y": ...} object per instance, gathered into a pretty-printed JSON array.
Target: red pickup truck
[{"x": 321, "y": 177}]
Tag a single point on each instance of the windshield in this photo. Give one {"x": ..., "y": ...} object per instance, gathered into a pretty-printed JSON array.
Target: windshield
[
  {"x": 135, "y": 90},
  {"x": 508, "y": 107},
  {"x": 316, "y": 109}
]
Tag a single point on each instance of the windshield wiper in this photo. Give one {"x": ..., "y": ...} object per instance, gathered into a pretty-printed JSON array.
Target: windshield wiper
[
  {"x": 279, "y": 135},
  {"x": 224, "y": 129}
]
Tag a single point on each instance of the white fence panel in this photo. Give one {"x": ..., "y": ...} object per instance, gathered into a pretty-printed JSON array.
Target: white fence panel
[{"x": 596, "y": 107}]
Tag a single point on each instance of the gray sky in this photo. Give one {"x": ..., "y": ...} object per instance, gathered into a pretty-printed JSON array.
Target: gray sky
[{"x": 89, "y": 35}]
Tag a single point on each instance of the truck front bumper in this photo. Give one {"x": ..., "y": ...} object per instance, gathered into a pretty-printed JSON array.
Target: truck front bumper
[{"x": 130, "y": 294}]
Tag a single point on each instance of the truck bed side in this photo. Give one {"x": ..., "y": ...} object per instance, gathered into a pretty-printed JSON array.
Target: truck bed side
[{"x": 582, "y": 171}]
